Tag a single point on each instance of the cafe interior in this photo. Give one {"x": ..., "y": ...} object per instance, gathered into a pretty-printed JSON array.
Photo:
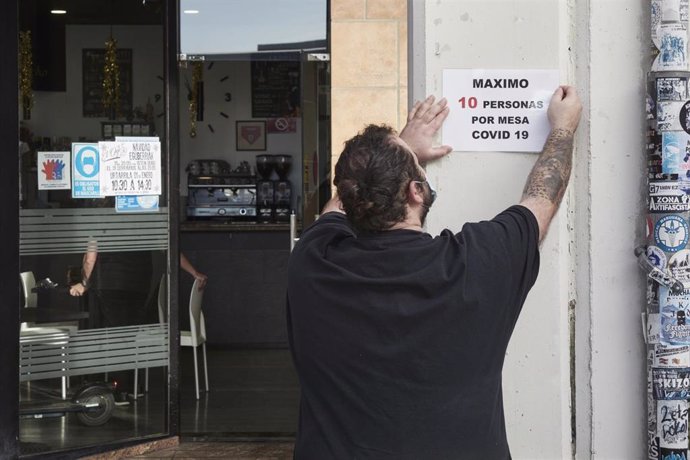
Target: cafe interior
[{"x": 160, "y": 312}]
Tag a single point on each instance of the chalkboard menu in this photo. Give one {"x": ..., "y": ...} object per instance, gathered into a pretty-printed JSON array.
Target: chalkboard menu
[
  {"x": 92, "y": 61},
  {"x": 275, "y": 89}
]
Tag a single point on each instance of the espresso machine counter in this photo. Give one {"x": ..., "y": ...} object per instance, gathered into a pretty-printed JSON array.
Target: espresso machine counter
[{"x": 233, "y": 226}]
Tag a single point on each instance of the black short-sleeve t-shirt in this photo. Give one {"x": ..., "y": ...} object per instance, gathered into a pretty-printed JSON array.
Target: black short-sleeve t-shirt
[{"x": 399, "y": 338}]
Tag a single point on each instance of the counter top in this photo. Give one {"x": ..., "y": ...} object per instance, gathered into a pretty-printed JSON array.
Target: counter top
[{"x": 231, "y": 226}]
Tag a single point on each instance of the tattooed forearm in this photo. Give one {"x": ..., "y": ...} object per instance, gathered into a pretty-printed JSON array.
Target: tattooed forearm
[{"x": 550, "y": 174}]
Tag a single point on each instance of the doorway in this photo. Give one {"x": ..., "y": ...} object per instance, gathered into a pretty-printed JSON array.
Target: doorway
[{"x": 254, "y": 170}]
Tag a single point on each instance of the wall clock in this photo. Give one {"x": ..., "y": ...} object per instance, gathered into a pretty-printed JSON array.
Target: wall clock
[{"x": 215, "y": 95}]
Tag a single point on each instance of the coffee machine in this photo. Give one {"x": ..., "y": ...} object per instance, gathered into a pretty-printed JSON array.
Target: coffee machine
[
  {"x": 265, "y": 209},
  {"x": 282, "y": 188},
  {"x": 217, "y": 192},
  {"x": 273, "y": 196}
]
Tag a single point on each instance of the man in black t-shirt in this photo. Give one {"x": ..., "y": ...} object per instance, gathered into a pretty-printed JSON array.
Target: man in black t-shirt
[{"x": 399, "y": 337}]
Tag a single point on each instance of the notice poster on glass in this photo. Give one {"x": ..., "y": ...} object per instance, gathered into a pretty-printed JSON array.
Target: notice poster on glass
[
  {"x": 53, "y": 170},
  {"x": 130, "y": 168},
  {"x": 145, "y": 203},
  {"x": 85, "y": 170}
]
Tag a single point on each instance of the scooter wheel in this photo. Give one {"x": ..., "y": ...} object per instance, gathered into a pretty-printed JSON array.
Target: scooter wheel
[{"x": 95, "y": 395}]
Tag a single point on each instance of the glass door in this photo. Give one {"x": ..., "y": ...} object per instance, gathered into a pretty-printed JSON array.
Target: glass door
[{"x": 94, "y": 222}]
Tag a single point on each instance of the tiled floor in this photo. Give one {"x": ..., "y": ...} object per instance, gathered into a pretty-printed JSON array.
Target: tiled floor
[
  {"x": 254, "y": 394},
  {"x": 225, "y": 450}
]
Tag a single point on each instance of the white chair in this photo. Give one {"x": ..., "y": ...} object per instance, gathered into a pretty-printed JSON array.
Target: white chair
[
  {"x": 162, "y": 310},
  {"x": 47, "y": 329},
  {"x": 197, "y": 335}
]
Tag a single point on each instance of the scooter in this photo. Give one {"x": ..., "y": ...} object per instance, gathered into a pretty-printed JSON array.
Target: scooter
[{"x": 93, "y": 404}]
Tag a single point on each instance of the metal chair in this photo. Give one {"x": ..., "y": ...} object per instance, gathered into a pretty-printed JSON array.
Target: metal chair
[{"x": 197, "y": 335}]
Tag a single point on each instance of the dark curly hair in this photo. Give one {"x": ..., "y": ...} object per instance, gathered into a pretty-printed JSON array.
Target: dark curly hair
[{"x": 372, "y": 176}]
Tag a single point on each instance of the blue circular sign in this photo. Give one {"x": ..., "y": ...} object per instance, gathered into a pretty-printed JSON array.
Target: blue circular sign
[
  {"x": 87, "y": 162},
  {"x": 671, "y": 233}
]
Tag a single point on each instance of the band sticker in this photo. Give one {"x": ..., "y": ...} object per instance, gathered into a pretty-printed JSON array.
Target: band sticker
[
  {"x": 656, "y": 257},
  {"x": 672, "y": 44},
  {"x": 669, "y": 203},
  {"x": 671, "y": 384},
  {"x": 672, "y": 454},
  {"x": 684, "y": 117},
  {"x": 671, "y": 356},
  {"x": 671, "y": 233},
  {"x": 672, "y": 424},
  {"x": 679, "y": 265},
  {"x": 668, "y": 115},
  {"x": 669, "y": 187},
  {"x": 672, "y": 88},
  {"x": 675, "y": 317},
  {"x": 675, "y": 153}
]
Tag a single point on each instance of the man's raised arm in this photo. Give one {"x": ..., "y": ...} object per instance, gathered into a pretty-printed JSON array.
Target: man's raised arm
[{"x": 549, "y": 178}]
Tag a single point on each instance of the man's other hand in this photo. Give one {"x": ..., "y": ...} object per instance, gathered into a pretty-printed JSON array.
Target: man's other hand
[
  {"x": 423, "y": 122},
  {"x": 565, "y": 109}
]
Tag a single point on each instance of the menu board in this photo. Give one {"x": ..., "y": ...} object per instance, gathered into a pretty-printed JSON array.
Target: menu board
[{"x": 275, "y": 89}]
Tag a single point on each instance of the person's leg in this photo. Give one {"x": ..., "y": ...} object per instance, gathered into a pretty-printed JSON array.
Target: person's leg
[{"x": 121, "y": 308}]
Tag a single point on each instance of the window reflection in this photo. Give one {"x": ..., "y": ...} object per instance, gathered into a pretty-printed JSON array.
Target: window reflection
[{"x": 248, "y": 26}]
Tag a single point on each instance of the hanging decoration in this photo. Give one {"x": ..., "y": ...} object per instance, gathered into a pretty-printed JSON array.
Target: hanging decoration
[
  {"x": 195, "y": 95},
  {"x": 111, "y": 80},
  {"x": 25, "y": 74}
]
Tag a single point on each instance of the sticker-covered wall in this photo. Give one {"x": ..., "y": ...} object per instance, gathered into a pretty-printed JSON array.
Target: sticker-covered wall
[{"x": 667, "y": 253}]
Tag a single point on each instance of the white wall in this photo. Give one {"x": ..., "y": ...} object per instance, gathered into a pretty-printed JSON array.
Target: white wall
[
  {"x": 221, "y": 143},
  {"x": 60, "y": 113},
  {"x": 586, "y": 260},
  {"x": 616, "y": 67}
]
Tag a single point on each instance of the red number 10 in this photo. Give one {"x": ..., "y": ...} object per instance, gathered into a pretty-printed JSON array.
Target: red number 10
[{"x": 471, "y": 102}]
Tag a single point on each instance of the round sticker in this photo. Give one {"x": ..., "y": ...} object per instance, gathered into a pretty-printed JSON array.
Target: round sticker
[
  {"x": 679, "y": 264},
  {"x": 685, "y": 117},
  {"x": 671, "y": 233},
  {"x": 657, "y": 257}
]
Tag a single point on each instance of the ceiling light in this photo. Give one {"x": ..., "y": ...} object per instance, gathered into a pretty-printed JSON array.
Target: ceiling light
[
  {"x": 191, "y": 11},
  {"x": 58, "y": 11}
]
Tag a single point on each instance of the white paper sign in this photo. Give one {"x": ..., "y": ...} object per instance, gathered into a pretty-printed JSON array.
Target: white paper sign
[
  {"x": 130, "y": 168},
  {"x": 497, "y": 110},
  {"x": 53, "y": 170}
]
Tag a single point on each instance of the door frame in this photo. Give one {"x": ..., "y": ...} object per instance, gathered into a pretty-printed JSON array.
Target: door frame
[{"x": 9, "y": 235}]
